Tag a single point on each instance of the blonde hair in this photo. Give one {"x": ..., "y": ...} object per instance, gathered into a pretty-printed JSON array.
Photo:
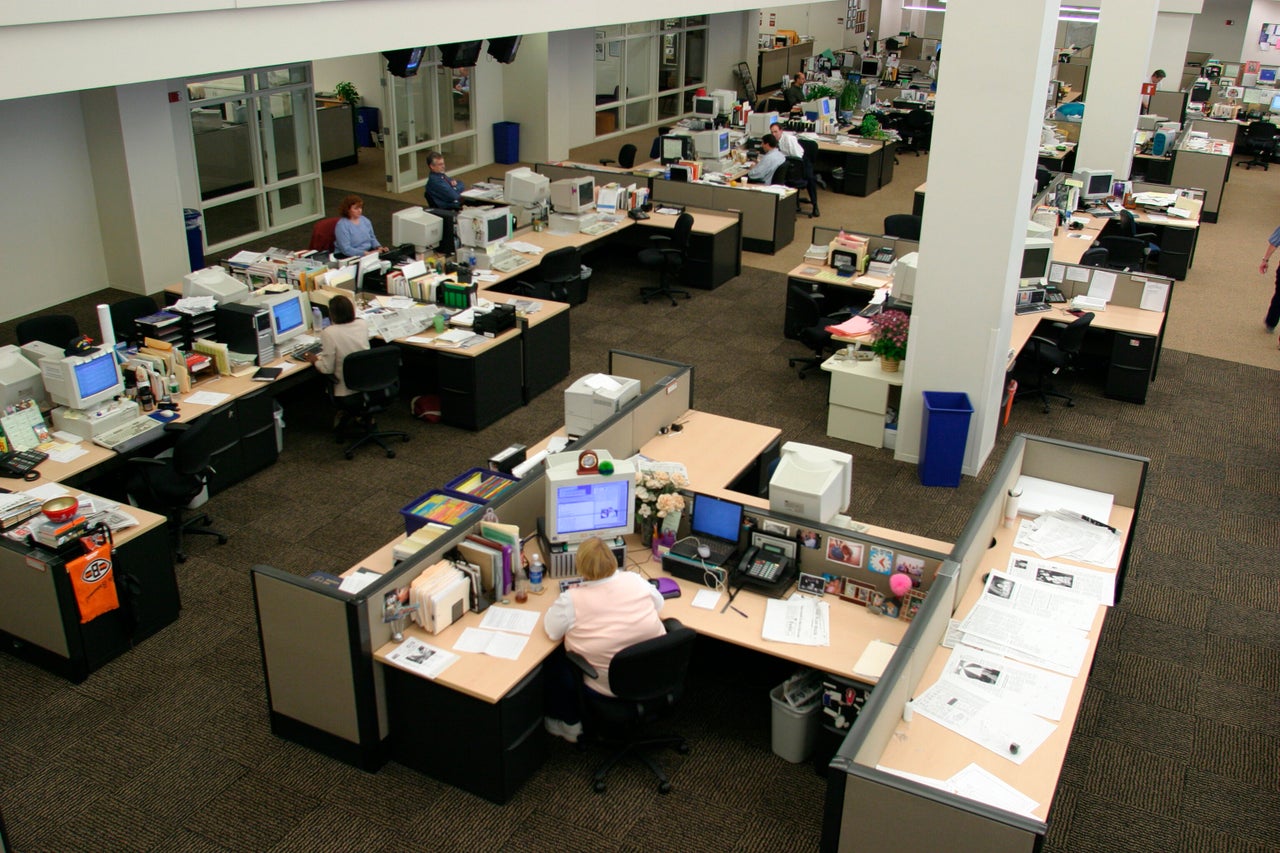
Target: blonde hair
[{"x": 595, "y": 561}]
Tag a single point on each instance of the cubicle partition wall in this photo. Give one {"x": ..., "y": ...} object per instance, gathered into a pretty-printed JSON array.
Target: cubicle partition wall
[
  {"x": 600, "y": 174},
  {"x": 324, "y": 689},
  {"x": 861, "y": 790},
  {"x": 768, "y": 218},
  {"x": 824, "y": 234}
]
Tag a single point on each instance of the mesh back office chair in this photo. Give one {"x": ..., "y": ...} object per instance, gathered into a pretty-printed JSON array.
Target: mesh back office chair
[
  {"x": 124, "y": 312},
  {"x": 170, "y": 484},
  {"x": 647, "y": 680},
  {"x": 667, "y": 255},
  {"x": 904, "y": 225},
  {"x": 1260, "y": 139},
  {"x": 373, "y": 375},
  {"x": 1095, "y": 257},
  {"x": 809, "y": 324},
  {"x": 322, "y": 234},
  {"x": 1052, "y": 355},
  {"x": 626, "y": 157},
  {"x": 56, "y": 329}
]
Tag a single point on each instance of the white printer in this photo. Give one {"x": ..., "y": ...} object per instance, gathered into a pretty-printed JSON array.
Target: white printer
[{"x": 593, "y": 398}]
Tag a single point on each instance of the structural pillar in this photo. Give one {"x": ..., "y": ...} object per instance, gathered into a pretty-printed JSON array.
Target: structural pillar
[
  {"x": 1121, "y": 56},
  {"x": 1172, "y": 37},
  {"x": 981, "y": 176}
]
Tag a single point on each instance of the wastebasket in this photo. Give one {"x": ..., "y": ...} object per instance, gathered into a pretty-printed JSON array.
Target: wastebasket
[
  {"x": 506, "y": 142},
  {"x": 195, "y": 238},
  {"x": 795, "y": 727},
  {"x": 944, "y": 431},
  {"x": 367, "y": 124}
]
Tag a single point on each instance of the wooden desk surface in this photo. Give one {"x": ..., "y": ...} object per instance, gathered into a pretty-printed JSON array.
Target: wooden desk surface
[
  {"x": 146, "y": 520},
  {"x": 927, "y": 748},
  {"x": 828, "y": 275},
  {"x": 856, "y": 144},
  {"x": 1115, "y": 319},
  {"x": 702, "y": 446}
]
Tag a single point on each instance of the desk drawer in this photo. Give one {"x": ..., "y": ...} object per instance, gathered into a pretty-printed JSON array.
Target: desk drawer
[
  {"x": 858, "y": 392},
  {"x": 856, "y": 425}
]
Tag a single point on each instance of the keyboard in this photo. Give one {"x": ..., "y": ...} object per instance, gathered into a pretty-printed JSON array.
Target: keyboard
[
  {"x": 301, "y": 353},
  {"x": 1033, "y": 309},
  {"x": 510, "y": 264},
  {"x": 135, "y": 433},
  {"x": 597, "y": 229}
]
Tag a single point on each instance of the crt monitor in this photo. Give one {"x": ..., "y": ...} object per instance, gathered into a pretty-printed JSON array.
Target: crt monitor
[
  {"x": 579, "y": 506},
  {"x": 705, "y": 106},
  {"x": 289, "y": 312},
  {"x": 674, "y": 148},
  {"x": 1094, "y": 183},
  {"x": 526, "y": 187},
  {"x": 870, "y": 68},
  {"x": 716, "y": 518},
  {"x": 1037, "y": 254},
  {"x": 215, "y": 282},
  {"x": 1275, "y": 104},
  {"x": 573, "y": 195},
  {"x": 82, "y": 381},
  {"x": 484, "y": 228},
  {"x": 1267, "y": 76},
  {"x": 20, "y": 378},
  {"x": 904, "y": 278},
  {"x": 712, "y": 143},
  {"x": 415, "y": 226},
  {"x": 811, "y": 482}
]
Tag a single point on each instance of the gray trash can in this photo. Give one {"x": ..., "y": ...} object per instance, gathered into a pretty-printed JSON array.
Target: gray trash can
[{"x": 795, "y": 728}]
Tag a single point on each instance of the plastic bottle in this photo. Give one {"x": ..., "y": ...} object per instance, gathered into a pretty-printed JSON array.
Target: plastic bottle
[
  {"x": 535, "y": 575},
  {"x": 667, "y": 173},
  {"x": 173, "y": 383},
  {"x": 521, "y": 585}
]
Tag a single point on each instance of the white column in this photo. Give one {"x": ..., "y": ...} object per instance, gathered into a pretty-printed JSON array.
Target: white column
[
  {"x": 1119, "y": 67},
  {"x": 981, "y": 173},
  {"x": 1172, "y": 36}
]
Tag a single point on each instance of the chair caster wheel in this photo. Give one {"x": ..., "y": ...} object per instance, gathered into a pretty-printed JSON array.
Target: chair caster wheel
[
  {"x": 1070, "y": 404},
  {"x": 598, "y": 787},
  {"x": 391, "y": 454},
  {"x": 404, "y": 439},
  {"x": 683, "y": 749},
  {"x": 349, "y": 455},
  {"x": 222, "y": 540},
  {"x": 664, "y": 787},
  {"x": 181, "y": 558}
]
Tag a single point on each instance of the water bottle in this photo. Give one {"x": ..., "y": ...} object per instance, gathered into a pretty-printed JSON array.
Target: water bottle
[
  {"x": 535, "y": 574},
  {"x": 667, "y": 173}
]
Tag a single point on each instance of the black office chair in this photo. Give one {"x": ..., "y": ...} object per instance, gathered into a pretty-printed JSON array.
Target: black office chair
[
  {"x": 1260, "y": 139},
  {"x": 647, "y": 679},
  {"x": 1124, "y": 253},
  {"x": 917, "y": 130},
  {"x": 560, "y": 276},
  {"x": 373, "y": 375},
  {"x": 626, "y": 157},
  {"x": 667, "y": 255},
  {"x": 1128, "y": 226},
  {"x": 448, "y": 233},
  {"x": 806, "y": 321},
  {"x": 1044, "y": 177},
  {"x": 56, "y": 329},
  {"x": 904, "y": 225},
  {"x": 124, "y": 312},
  {"x": 809, "y": 167},
  {"x": 170, "y": 484},
  {"x": 1095, "y": 257},
  {"x": 1052, "y": 355}
]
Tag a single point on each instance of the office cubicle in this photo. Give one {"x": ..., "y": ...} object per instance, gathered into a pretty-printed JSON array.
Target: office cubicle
[
  {"x": 768, "y": 218},
  {"x": 824, "y": 234},
  {"x": 861, "y": 791}
]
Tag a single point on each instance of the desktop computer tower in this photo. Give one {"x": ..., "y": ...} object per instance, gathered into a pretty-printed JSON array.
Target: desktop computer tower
[{"x": 246, "y": 329}]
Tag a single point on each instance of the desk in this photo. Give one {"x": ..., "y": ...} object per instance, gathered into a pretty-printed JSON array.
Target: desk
[
  {"x": 867, "y": 163},
  {"x": 768, "y": 212},
  {"x": 1056, "y": 160},
  {"x": 858, "y": 399}
]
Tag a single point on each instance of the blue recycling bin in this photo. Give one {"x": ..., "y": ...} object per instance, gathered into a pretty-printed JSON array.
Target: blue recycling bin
[
  {"x": 367, "y": 127},
  {"x": 944, "y": 432},
  {"x": 195, "y": 238},
  {"x": 506, "y": 142}
]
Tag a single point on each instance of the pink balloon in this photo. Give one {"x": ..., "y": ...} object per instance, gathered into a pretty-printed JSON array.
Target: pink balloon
[{"x": 900, "y": 583}]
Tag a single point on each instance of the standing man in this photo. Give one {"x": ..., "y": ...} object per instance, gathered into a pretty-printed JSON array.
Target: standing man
[
  {"x": 770, "y": 160},
  {"x": 442, "y": 192},
  {"x": 787, "y": 142},
  {"x": 1273, "y": 311}
]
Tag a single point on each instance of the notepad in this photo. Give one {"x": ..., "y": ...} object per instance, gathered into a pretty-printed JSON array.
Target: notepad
[{"x": 875, "y": 657}]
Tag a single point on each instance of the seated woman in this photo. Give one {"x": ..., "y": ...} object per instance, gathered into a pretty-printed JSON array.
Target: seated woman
[
  {"x": 597, "y": 619},
  {"x": 344, "y": 335},
  {"x": 353, "y": 235}
]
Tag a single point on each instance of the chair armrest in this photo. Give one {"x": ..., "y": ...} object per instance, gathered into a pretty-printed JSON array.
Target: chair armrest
[
  {"x": 581, "y": 663},
  {"x": 144, "y": 460},
  {"x": 671, "y": 623},
  {"x": 656, "y": 241}
]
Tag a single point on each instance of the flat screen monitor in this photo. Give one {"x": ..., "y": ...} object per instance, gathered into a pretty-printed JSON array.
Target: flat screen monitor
[
  {"x": 716, "y": 518},
  {"x": 1267, "y": 76},
  {"x": 1201, "y": 90},
  {"x": 811, "y": 482},
  {"x": 704, "y": 106},
  {"x": 416, "y": 227},
  {"x": 289, "y": 311},
  {"x": 573, "y": 195},
  {"x": 1037, "y": 254},
  {"x": 579, "y": 506},
  {"x": 483, "y": 228},
  {"x": 462, "y": 54},
  {"x": 525, "y": 186},
  {"x": 82, "y": 381},
  {"x": 1094, "y": 183},
  {"x": 870, "y": 68},
  {"x": 404, "y": 63},
  {"x": 712, "y": 143}
]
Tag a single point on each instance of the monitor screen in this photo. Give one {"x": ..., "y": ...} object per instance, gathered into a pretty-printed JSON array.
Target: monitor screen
[
  {"x": 672, "y": 148},
  {"x": 870, "y": 68},
  {"x": 1035, "y": 260},
  {"x": 499, "y": 228},
  {"x": 704, "y": 106},
  {"x": 287, "y": 316},
  {"x": 1200, "y": 94},
  {"x": 716, "y": 518},
  {"x": 826, "y": 110},
  {"x": 1030, "y": 296},
  {"x": 96, "y": 375},
  {"x": 1275, "y": 104},
  {"x": 1267, "y": 75}
]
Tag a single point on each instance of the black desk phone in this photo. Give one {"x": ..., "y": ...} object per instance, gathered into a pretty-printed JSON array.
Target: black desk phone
[
  {"x": 1054, "y": 294},
  {"x": 766, "y": 568},
  {"x": 21, "y": 464}
]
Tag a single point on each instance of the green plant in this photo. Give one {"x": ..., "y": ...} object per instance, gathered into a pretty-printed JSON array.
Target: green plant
[
  {"x": 891, "y": 334},
  {"x": 850, "y": 96},
  {"x": 347, "y": 91},
  {"x": 870, "y": 128},
  {"x": 819, "y": 90}
]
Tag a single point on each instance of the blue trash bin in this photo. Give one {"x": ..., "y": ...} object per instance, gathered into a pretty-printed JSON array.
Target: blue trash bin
[
  {"x": 195, "y": 238},
  {"x": 944, "y": 432},
  {"x": 367, "y": 119},
  {"x": 506, "y": 142}
]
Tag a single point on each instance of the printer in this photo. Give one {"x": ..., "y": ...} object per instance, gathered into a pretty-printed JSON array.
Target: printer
[{"x": 590, "y": 400}]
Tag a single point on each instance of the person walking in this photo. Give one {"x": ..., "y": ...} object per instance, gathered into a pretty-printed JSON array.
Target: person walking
[{"x": 1273, "y": 310}]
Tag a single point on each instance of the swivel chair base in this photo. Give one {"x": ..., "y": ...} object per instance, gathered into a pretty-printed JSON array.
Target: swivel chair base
[
  {"x": 1256, "y": 161},
  {"x": 371, "y": 434},
  {"x": 806, "y": 362},
  {"x": 662, "y": 290},
  {"x": 199, "y": 525},
  {"x": 1044, "y": 394},
  {"x": 635, "y": 748}
]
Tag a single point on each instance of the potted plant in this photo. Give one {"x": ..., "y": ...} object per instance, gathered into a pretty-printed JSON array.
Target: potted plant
[
  {"x": 891, "y": 328},
  {"x": 347, "y": 91},
  {"x": 815, "y": 91},
  {"x": 850, "y": 100},
  {"x": 870, "y": 128},
  {"x": 659, "y": 504}
]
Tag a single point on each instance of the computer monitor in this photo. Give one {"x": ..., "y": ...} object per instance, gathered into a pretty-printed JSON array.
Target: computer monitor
[
  {"x": 415, "y": 226},
  {"x": 20, "y": 378},
  {"x": 289, "y": 311},
  {"x": 724, "y": 100},
  {"x": 579, "y": 506},
  {"x": 675, "y": 147},
  {"x": 526, "y": 187},
  {"x": 705, "y": 106},
  {"x": 1037, "y": 254},
  {"x": 1095, "y": 184},
  {"x": 1275, "y": 104},
  {"x": 1267, "y": 77},
  {"x": 716, "y": 518},
  {"x": 870, "y": 67},
  {"x": 712, "y": 144},
  {"x": 760, "y": 123},
  {"x": 811, "y": 482},
  {"x": 484, "y": 227},
  {"x": 1202, "y": 89},
  {"x": 573, "y": 195},
  {"x": 904, "y": 278},
  {"x": 215, "y": 282},
  {"x": 82, "y": 381}
]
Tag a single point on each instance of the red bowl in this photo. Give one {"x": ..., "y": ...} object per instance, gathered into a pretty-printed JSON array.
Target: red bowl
[{"x": 61, "y": 509}]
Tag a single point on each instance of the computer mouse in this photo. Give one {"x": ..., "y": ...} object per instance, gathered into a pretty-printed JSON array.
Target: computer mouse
[{"x": 704, "y": 551}]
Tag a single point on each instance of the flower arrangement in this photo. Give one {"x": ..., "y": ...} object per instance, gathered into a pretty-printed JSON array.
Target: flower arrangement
[
  {"x": 891, "y": 329},
  {"x": 657, "y": 497}
]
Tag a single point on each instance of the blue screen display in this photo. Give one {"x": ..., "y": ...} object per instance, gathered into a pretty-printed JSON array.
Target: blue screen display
[
  {"x": 287, "y": 314},
  {"x": 586, "y": 507},
  {"x": 96, "y": 375},
  {"x": 714, "y": 517}
]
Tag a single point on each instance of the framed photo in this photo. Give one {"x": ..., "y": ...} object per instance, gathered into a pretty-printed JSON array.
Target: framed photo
[
  {"x": 857, "y": 591},
  {"x": 809, "y": 538},
  {"x": 599, "y": 52},
  {"x": 882, "y": 605},
  {"x": 911, "y": 604},
  {"x": 777, "y": 528},
  {"x": 835, "y": 584},
  {"x": 812, "y": 584},
  {"x": 913, "y": 567},
  {"x": 845, "y": 552},
  {"x": 615, "y": 48}
]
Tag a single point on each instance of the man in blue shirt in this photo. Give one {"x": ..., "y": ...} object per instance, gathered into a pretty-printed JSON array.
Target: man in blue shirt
[
  {"x": 442, "y": 192},
  {"x": 770, "y": 159},
  {"x": 1273, "y": 310}
]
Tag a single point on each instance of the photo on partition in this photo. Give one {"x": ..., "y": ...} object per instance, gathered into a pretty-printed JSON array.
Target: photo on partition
[
  {"x": 911, "y": 604},
  {"x": 809, "y": 538},
  {"x": 812, "y": 584},
  {"x": 844, "y": 552},
  {"x": 882, "y": 605},
  {"x": 913, "y": 567},
  {"x": 777, "y": 528},
  {"x": 857, "y": 591},
  {"x": 880, "y": 560},
  {"x": 835, "y": 584}
]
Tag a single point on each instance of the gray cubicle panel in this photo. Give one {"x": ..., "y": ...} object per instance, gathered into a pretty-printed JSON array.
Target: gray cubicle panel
[
  {"x": 1126, "y": 292},
  {"x": 601, "y": 176},
  {"x": 823, "y": 235},
  {"x": 768, "y": 219},
  {"x": 649, "y": 370},
  {"x": 1171, "y": 105}
]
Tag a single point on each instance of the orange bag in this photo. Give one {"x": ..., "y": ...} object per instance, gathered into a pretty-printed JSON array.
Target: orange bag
[{"x": 92, "y": 578}]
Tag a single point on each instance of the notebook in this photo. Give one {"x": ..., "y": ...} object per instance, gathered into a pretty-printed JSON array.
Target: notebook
[{"x": 715, "y": 523}]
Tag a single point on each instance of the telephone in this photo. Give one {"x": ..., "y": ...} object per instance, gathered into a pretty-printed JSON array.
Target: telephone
[
  {"x": 22, "y": 464},
  {"x": 766, "y": 568},
  {"x": 1054, "y": 295}
]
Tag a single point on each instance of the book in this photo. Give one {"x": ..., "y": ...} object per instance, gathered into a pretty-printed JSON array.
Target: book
[{"x": 267, "y": 374}]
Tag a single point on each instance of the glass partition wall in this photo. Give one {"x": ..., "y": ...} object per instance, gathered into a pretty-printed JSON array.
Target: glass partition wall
[{"x": 647, "y": 72}]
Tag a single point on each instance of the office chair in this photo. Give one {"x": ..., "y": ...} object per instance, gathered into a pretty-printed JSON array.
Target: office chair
[
  {"x": 56, "y": 329},
  {"x": 904, "y": 225},
  {"x": 917, "y": 130},
  {"x": 647, "y": 679},
  {"x": 1128, "y": 226},
  {"x": 809, "y": 166},
  {"x": 374, "y": 377},
  {"x": 560, "y": 276},
  {"x": 1053, "y": 355},
  {"x": 1124, "y": 253},
  {"x": 626, "y": 157},
  {"x": 322, "y": 234},
  {"x": 1044, "y": 177},
  {"x": 1094, "y": 257},
  {"x": 667, "y": 254},
  {"x": 171, "y": 484},
  {"x": 806, "y": 321},
  {"x": 1260, "y": 139},
  {"x": 124, "y": 312}
]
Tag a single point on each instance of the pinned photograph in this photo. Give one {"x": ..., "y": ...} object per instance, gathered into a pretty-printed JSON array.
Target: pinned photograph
[
  {"x": 913, "y": 567},
  {"x": 858, "y": 592},
  {"x": 844, "y": 552},
  {"x": 809, "y": 538},
  {"x": 812, "y": 584}
]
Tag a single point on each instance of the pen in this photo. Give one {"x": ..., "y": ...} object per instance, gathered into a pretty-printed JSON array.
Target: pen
[
  {"x": 1084, "y": 517},
  {"x": 739, "y": 612}
]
